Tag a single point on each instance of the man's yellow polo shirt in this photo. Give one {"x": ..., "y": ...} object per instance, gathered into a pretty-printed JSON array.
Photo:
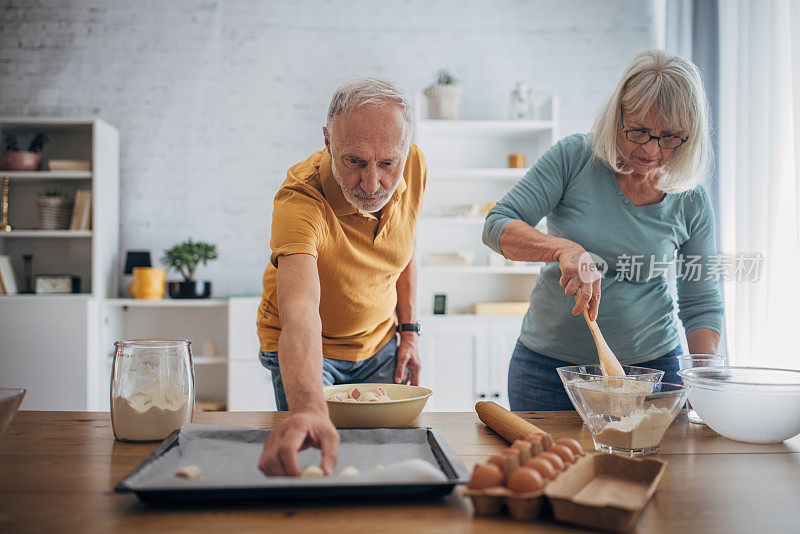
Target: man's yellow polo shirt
[{"x": 359, "y": 256}]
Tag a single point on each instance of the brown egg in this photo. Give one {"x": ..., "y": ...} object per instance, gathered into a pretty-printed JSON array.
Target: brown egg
[
  {"x": 565, "y": 452},
  {"x": 525, "y": 479},
  {"x": 485, "y": 476},
  {"x": 573, "y": 444},
  {"x": 554, "y": 459},
  {"x": 543, "y": 466},
  {"x": 498, "y": 459}
]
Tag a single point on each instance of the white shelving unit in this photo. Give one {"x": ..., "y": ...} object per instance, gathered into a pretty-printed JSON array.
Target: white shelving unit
[
  {"x": 201, "y": 321},
  {"x": 467, "y": 165},
  {"x": 50, "y": 343},
  {"x": 89, "y": 254}
]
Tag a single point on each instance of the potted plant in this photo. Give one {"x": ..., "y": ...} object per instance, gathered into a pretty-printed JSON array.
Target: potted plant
[
  {"x": 185, "y": 258},
  {"x": 14, "y": 159},
  {"x": 53, "y": 210},
  {"x": 443, "y": 97}
]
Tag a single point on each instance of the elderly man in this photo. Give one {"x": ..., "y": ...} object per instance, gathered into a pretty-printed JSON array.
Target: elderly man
[{"x": 342, "y": 275}]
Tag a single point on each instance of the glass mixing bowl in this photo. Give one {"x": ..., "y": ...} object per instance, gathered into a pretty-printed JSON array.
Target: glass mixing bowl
[{"x": 627, "y": 416}]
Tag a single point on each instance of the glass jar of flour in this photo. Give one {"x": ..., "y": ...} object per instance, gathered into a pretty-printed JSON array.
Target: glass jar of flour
[{"x": 152, "y": 388}]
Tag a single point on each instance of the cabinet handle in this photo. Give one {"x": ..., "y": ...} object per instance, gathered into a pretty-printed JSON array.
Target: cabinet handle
[
  {"x": 496, "y": 395},
  {"x": 482, "y": 396}
]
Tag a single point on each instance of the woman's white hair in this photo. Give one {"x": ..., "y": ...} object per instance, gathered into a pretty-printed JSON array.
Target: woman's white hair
[
  {"x": 368, "y": 92},
  {"x": 671, "y": 88}
]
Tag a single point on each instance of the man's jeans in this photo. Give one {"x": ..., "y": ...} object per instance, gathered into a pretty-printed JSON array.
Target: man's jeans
[{"x": 378, "y": 368}]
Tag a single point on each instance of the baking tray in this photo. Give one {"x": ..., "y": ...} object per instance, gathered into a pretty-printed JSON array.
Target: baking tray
[{"x": 448, "y": 462}]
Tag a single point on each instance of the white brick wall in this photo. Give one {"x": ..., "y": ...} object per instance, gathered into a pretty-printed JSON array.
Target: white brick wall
[{"x": 214, "y": 100}]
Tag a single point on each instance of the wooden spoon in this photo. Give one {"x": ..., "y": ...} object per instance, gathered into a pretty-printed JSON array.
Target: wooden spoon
[{"x": 608, "y": 362}]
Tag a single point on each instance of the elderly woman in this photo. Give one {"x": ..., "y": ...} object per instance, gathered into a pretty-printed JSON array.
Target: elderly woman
[{"x": 626, "y": 199}]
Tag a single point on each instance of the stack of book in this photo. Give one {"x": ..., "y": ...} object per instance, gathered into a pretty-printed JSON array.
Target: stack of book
[
  {"x": 82, "y": 211},
  {"x": 69, "y": 165}
]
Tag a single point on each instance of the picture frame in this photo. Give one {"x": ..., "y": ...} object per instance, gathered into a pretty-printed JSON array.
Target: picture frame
[{"x": 7, "y": 278}]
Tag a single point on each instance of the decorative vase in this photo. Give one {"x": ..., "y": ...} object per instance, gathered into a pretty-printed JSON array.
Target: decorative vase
[
  {"x": 53, "y": 213},
  {"x": 20, "y": 160},
  {"x": 443, "y": 101},
  {"x": 190, "y": 289},
  {"x": 148, "y": 283}
]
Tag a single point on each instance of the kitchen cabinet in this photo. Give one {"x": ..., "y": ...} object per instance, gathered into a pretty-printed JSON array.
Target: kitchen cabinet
[
  {"x": 465, "y": 359},
  {"x": 202, "y": 321},
  {"x": 224, "y": 344},
  {"x": 249, "y": 383},
  {"x": 44, "y": 343}
]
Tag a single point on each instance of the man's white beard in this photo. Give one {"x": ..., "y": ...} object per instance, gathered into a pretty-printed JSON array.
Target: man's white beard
[{"x": 359, "y": 198}]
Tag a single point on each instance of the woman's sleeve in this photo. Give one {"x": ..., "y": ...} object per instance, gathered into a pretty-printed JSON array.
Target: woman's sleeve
[
  {"x": 533, "y": 197},
  {"x": 699, "y": 302}
]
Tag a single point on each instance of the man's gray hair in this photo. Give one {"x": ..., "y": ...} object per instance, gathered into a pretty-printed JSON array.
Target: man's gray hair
[{"x": 368, "y": 92}]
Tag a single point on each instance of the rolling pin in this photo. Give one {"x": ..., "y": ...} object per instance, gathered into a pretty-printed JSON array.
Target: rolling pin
[{"x": 511, "y": 427}]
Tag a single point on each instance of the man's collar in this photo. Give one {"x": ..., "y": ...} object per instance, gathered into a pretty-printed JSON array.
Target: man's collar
[{"x": 333, "y": 192}]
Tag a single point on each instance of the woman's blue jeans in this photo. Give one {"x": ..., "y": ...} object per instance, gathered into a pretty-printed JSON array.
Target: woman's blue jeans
[{"x": 534, "y": 384}]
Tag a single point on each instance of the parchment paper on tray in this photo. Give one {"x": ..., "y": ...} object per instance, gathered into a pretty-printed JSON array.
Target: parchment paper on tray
[{"x": 228, "y": 458}]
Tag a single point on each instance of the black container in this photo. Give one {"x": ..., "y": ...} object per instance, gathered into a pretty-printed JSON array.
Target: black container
[{"x": 189, "y": 290}]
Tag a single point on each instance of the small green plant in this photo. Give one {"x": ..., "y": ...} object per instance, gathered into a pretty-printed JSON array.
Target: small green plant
[
  {"x": 51, "y": 193},
  {"x": 443, "y": 77},
  {"x": 185, "y": 257},
  {"x": 12, "y": 145},
  {"x": 36, "y": 144}
]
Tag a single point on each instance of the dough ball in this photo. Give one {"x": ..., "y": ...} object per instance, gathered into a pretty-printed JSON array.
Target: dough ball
[
  {"x": 348, "y": 471},
  {"x": 313, "y": 471},
  {"x": 190, "y": 471},
  {"x": 369, "y": 397}
]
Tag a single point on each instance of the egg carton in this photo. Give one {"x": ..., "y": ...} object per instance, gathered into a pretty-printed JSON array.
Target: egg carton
[{"x": 522, "y": 506}]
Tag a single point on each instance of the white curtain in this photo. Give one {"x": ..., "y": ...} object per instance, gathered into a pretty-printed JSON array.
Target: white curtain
[{"x": 759, "y": 134}]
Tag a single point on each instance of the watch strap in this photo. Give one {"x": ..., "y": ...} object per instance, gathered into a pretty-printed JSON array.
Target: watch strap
[{"x": 409, "y": 327}]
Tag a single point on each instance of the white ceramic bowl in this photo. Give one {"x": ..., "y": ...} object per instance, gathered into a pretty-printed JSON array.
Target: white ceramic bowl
[
  {"x": 750, "y": 404},
  {"x": 10, "y": 399},
  {"x": 406, "y": 404}
]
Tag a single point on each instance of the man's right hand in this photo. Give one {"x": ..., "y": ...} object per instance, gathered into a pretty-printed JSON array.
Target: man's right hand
[{"x": 301, "y": 431}]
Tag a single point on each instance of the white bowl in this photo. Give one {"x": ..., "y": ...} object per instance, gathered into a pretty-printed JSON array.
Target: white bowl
[
  {"x": 750, "y": 404},
  {"x": 406, "y": 404}
]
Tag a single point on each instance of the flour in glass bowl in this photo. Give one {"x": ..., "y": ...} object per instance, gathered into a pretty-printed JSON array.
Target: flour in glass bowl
[
  {"x": 151, "y": 412},
  {"x": 639, "y": 430}
]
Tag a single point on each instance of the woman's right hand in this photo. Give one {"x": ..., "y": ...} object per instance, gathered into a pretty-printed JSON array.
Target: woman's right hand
[{"x": 580, "y": 279}]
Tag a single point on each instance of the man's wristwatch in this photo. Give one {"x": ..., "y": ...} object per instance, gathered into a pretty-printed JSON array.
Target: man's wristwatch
[{"x": 409, "y": 327}]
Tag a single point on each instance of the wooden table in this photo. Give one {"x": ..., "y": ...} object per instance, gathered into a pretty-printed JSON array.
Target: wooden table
[{"x": 58, "y": 470}]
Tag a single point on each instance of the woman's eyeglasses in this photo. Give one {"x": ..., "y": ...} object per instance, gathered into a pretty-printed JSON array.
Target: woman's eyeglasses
[{"x": 641, "y": 137}]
